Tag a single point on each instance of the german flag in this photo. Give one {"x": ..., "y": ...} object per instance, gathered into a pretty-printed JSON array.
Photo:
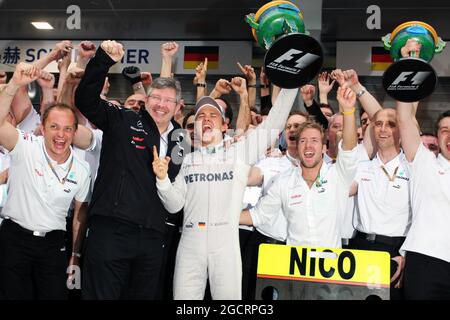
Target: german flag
[
  {"x": 202, "y": 225},
  {"x": 194, "y": 55},
  {"x": 381, "y": 59}
]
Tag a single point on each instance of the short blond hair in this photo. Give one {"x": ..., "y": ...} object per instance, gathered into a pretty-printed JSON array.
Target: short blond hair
[{"x": 310, "y": 125}]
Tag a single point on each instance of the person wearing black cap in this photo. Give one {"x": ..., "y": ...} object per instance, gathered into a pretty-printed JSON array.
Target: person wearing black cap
[{"x": 210, "y": 187}]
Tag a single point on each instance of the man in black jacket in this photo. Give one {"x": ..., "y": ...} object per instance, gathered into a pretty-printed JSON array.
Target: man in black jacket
[{"x": 125, "y": 240}]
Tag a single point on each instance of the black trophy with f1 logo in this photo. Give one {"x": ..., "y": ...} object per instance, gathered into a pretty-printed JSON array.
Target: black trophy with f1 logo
[
  {"x": 293, "y": 58},
  {"x": 412, "y": 78}
]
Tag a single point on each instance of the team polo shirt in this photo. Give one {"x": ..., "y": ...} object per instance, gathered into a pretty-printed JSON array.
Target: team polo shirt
[
  {"x": 383, "y": 200},
  {"x": 315, "y": 215},
  {"x": 270, "y": 168},
  {"x": 348, "y": 229},
  {"x": 430, "y": 196},
  {"x": 37, "y": 200}
]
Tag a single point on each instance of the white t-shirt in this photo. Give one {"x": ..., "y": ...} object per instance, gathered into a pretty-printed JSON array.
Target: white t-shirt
[
  {"x": 430, "y": 198},
  {"x": 37, "y": 200}
]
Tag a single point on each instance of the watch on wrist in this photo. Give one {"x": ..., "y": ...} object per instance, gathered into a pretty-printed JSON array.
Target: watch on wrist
[{"x": 203, "y": 85}]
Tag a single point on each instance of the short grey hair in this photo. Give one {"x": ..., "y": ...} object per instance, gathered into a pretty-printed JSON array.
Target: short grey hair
[{"x": 164, "y": 83}]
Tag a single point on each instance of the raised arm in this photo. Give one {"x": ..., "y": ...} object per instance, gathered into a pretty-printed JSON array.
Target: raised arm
[
  {"x": 63, "y": 67},
  {"x": 168, "y": 50},
  {"x": 250, "y": 75},
  {"x": 61, "y": 49},
  {"x": 257, "y": 141},
  {"x": 200, "y": 79},
  {"x": 307, "y": 92},
  {"x": 244, "y": 116},
  {"x": 23, "y": 75},
  {"x": 222, "y": 87},
  {"x": 325, "y": 84},
  {"x": 347, "y": 103},
  {"x": 87, "y": 95},
  {"x": 47, "y": 83},
  {"x": 409, "y": 130},
  {"x": 86, "y": 50},
  {"x": 133, "y": 75}
]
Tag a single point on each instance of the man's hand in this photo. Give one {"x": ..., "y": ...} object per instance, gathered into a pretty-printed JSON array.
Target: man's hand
[
  {"x": 86, "y": 50},
  {"x": 24, "y": 74},
  {"x": 307, "y": 92},
  {"x": 132, "y": 74},
  {"x": 249, "y": 73},
  {"x": 2, "y": 77},
  {"x": 62, "y": 49},
  {"x": 397, "y": 278},
  {"x": 346, "y": 98},
  {"x": 411, "y": 49},
  {"x": 74, "y": 76},
  {"x": 223, "y": 86},
  {"x": 113, "y": 49},
  {"x": 169, "y": 49},
  {"x": 160, "y": 166},
  {"x": 325, "y": 85},
  {"x": 239, "y": 85},
  {"x": 4, "y": 176},
  {"x": 200, "y": 72},
  {"x": 146, "y": 79},
  {"x": 346, "y": 78},
  {"x": 46, "y": 80}
]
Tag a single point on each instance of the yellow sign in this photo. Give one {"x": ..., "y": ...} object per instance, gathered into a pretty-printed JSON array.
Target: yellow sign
[{"x": 340, "y": 266}]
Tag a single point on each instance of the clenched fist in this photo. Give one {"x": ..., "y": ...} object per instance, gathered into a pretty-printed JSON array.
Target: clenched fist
[{"x": 113, "y": 49}]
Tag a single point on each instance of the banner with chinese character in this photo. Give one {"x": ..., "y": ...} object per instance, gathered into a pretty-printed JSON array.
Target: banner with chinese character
[{"x": 144, "y": 54}]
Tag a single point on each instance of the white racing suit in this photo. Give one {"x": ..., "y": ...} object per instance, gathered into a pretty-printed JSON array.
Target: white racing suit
[{"x": 210, "y": 186}]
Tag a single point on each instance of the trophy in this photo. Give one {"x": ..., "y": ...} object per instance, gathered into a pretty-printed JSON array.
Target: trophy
[
  {"x": 412, "y": 78},
  {"x": 293, "y": 58}
]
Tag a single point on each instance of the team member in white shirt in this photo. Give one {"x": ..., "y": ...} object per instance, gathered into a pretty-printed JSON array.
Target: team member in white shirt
[
  {"x": 427, "y": 245},
  {"x": 313, "y": 196},
  {"x": 33, "y": 260},
  {"x": 264, "y": 173},
  {"x": 383, "y": 209}
]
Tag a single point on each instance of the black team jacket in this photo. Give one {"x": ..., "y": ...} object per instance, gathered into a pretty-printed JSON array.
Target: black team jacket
[{"x": 125, "y": 188}]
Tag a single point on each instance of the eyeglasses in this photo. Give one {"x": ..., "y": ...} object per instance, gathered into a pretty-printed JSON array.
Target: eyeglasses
[
  {"x": 190, "y": 126},
  {"x": 167, "y": 101}
]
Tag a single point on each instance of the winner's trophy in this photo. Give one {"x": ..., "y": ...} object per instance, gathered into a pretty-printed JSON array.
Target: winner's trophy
[
  {"x": 293, "y": 58},
  {"x": 413, "y": 78}
]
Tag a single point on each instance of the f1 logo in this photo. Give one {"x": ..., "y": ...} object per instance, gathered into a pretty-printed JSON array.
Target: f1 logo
[
  {"x": 302, "y": 62},
  {"x": 416, "y": 78}
]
